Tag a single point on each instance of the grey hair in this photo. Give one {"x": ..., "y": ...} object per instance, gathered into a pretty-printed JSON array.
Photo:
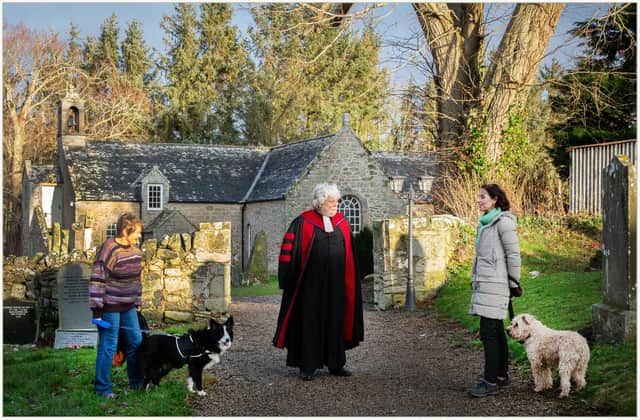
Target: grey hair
[{"x": 322, "y": 191}]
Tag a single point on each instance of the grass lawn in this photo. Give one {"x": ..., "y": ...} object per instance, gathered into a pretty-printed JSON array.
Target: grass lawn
[
  {"x": 48, "y": 382},
  {"x": 561, "y": 297},
  {"x": 270, "y": 288}
]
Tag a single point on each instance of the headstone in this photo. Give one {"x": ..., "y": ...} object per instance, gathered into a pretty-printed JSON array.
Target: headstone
[
  {"x": 75, "y": 327},
  {"x": 20, "y": 321},
  {"x": 614, "y": 320},
  {"x": 258, "y": 270}
]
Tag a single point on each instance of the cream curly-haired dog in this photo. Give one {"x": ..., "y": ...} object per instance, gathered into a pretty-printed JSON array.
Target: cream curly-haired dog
[{"x": 547, "y": 348}]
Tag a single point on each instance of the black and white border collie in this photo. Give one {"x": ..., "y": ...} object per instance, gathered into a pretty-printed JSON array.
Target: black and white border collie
[{"x": 200, "y": 349}]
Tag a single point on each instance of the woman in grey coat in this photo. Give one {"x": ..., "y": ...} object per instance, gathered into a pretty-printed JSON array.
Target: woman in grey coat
[{"x": 497, "y": 260}]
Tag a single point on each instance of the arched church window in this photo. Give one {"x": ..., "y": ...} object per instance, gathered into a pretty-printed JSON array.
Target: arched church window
[{"x": 352, "y": 210}]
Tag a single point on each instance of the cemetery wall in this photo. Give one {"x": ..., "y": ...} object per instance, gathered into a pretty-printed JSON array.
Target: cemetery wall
[{"x": 184, "y": 276}]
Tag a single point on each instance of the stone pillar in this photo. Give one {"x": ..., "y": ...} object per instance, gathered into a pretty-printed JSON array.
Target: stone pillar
[
  {"x": 614, "y": 320},
  {"x": 433, "y": 242}
]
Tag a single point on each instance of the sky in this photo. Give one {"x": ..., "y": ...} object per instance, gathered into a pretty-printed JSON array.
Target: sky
[{"x": 395, "y": 22}]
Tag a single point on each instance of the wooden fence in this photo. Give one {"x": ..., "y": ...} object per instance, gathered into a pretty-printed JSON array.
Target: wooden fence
[{"x": 585, "y": 178}]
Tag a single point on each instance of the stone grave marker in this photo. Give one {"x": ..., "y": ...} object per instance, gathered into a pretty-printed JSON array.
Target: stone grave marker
[
  {"x": 614, "y": 320},
  {"x": 75, "y": 327},
  {"x": 20, "y": 321}
]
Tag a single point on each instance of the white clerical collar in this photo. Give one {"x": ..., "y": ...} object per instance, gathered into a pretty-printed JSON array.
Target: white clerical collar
[{"x": 328, "y": 227}]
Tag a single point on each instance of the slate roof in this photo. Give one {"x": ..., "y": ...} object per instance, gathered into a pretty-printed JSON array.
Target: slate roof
[
  {"x": 49, "y": 174},
  {"x": 284, "y": 165},
  {"x": 108, "y": 170},
  {"x": 111, "y": 171},
  {"x": 168, "y": 216}
]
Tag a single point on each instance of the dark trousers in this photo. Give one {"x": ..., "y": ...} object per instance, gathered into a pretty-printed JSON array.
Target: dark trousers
[{"x": 496, "y": 351}]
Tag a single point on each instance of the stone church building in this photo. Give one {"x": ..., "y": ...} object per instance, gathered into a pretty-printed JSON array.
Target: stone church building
[{"x": 175, "y": 187}]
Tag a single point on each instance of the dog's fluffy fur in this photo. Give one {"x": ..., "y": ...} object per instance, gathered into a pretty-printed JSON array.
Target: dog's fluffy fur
[
  {"x": 547, "y": 348},
  {"x": 200, "y": 349}
]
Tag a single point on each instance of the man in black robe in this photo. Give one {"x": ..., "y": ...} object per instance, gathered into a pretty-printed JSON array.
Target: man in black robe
[{"x": 321, "y": 311}]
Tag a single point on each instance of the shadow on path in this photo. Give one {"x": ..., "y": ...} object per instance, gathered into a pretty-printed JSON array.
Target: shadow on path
[{"x": 408, "y": 365}]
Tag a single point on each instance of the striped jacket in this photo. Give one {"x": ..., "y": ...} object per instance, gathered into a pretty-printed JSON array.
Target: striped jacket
[{"x": 115, "y": 279}]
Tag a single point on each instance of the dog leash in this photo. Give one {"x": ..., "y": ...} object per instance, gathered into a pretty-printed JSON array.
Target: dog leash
[{"x": 148, "y": 331}]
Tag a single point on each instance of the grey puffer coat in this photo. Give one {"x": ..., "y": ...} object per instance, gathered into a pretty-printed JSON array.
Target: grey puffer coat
[{"x": 497, "y": 257}]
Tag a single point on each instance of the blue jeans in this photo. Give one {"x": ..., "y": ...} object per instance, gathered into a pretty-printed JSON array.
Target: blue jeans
[{"x": 107, "y": 344}]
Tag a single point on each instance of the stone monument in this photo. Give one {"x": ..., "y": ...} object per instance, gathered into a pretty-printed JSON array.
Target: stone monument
[
  {"x": 75, "y": 327},
  {"x": 614, "y": 320},
  {"x": 20, "y": 322}
]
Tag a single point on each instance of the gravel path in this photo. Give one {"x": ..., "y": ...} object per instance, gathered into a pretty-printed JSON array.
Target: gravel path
[{"x": 410, "y": 364}]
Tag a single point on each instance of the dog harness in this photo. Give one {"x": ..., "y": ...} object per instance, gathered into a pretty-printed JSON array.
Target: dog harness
[{"x": 188, "y": 346}]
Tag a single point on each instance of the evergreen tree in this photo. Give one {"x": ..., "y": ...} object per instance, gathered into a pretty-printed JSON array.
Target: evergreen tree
[
  {"x": 136, "y": 62},
  {"x": 204, "y": 69},
  {"x": 222, "y": 62},
  {"x": 108, "y": 53},
  {"x": 74, "y": 49},
  {"x": 310, "y": 72},
  {"x": 182, "y": 111},
  {"x": 90, "y": 55},
  {"x": 597, "y": 100}
]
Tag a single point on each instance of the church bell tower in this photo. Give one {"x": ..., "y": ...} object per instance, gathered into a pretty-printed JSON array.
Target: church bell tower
[{"x": 71, "y": 116}]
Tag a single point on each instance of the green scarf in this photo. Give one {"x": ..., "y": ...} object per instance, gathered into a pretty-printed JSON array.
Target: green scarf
[{"x": 486, "y": 218}]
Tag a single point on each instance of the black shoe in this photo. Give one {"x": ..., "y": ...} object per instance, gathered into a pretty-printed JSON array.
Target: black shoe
[
  {"x": 340, "y": 372},
  {"x": 482, "y": 389},
  {"x": 503, "y": 382},
  {"x": 306, "y": 375}
]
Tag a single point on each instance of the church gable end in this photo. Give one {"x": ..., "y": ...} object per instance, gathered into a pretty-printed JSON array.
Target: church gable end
[{"x": 346, "y": 162}]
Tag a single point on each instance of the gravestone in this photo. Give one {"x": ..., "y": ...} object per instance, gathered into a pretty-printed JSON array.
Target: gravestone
[
  {"x": 20, "y": 321},
  {"x": 614, "y": 320},
  {"x": 75, "y": 327}
]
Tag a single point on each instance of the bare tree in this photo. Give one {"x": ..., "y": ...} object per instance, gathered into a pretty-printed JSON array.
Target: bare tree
[
  {"x": 454, "y": 35},
  {"x": 34, "y": 70}
]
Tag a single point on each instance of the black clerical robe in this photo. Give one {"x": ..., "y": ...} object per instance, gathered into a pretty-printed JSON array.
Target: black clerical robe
[{"x": 321, "y": 312}]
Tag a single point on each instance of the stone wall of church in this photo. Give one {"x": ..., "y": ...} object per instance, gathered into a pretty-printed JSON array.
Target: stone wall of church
[
  {"x": 97, "y": 216},
  {"x": 348, "y": 164},
  {"x": 270, "y": 218}
]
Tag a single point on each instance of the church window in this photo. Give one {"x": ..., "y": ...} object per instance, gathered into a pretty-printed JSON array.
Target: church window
[
  {"x": 154, "y": 197},
  {"x": 350, "y": 207},
  {"x": 112, "y": 230}
]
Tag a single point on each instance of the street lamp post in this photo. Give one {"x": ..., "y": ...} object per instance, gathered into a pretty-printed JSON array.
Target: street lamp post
[{"x": 410, "y": 300}]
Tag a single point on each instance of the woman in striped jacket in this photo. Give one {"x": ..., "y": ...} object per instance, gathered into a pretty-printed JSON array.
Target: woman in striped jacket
[{"x": 115, "y": 292}]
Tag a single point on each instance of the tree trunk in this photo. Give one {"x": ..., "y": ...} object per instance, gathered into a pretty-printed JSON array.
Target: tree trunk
[
  {"x": 17, "y": 155},
  {"x": 514, "y": 67},
  {"x": 454, "y": 33}
]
